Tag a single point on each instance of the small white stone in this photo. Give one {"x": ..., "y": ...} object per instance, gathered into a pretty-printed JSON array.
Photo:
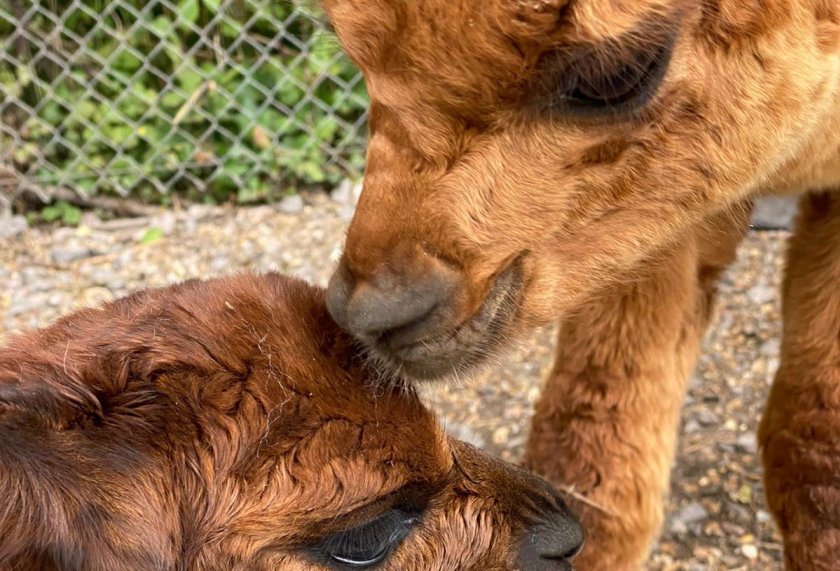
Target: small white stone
[
  {"x": 747, "y": 443},
  {"x": 761, "y": 294},
  {"x": 291, "y": 204},
  {"x": 750, "y": 551},
  {"x": 691, "y": 426},
  {"x": 771, "y": 348},
  {"x": 342, "y": 192},
  {"x": 500, "y": 436},
  {"x": 166, "y": 221},
  {"x": 692, "y": 513},
  {"x": 11, "y": 227}
]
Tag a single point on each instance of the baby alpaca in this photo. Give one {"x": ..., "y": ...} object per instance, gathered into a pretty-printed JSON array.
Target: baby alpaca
[{"x": 229, "y": 424}]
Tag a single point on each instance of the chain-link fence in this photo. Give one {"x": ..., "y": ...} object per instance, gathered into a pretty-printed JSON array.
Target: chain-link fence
[{"x": 202, "y": 98}]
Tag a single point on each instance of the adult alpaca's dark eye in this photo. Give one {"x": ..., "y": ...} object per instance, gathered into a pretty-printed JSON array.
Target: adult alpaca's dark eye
[
  {"x": 594, "y": 83},
  {"x": 616, "y": 76},
  {"x": 366, "y": 546}
]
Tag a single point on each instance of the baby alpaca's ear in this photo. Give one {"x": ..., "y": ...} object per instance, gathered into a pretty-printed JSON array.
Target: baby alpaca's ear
[
  {"x": 46, "y": 462},
  {"x": 37, "y": 395}
]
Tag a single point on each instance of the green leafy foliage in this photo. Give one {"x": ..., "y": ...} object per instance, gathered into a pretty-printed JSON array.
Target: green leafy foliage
[
  {"x": 151, "y": 236},
  {"x": 213, "y": 100},
  {"x": 62, "y": 212}
]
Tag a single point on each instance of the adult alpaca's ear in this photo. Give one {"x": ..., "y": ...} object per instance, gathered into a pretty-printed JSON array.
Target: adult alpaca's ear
[
  {"x": 367, "y": 29},
  {"x": 726, "y": 22},
  {"x": 530, "y": 20}
]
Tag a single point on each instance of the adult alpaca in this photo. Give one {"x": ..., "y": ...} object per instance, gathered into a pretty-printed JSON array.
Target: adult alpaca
[{"x": 592, "y": 161}]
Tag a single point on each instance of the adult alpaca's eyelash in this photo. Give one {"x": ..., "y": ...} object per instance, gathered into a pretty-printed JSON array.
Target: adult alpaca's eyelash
[
  {"x": 618, "y": 76},
  {"x": 635, "y": 77}
]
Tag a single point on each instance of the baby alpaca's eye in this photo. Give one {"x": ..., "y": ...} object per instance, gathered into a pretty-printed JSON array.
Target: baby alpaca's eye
[{"x": 369, "y": 544}]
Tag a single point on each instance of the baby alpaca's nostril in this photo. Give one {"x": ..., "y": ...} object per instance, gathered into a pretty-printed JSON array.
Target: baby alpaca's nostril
[
  {"x": 562, "y": 542},
  {"x": 571, "y": 552},
  {"x": 551, "y": 544}
]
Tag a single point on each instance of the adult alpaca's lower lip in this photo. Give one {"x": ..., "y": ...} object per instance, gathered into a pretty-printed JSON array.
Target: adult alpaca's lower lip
[{"x": 461, "y": 347}]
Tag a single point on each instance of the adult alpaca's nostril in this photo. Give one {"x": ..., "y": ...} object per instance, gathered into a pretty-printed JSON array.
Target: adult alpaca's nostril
[
  {"x": 387, "y": 303},
  {"x": 423, "y": 317},
  {"x": 338, "y": 294}
]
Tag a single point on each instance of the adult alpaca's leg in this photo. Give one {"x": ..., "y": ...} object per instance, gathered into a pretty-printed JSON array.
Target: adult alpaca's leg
[
  {"x": 800, "y": 431},
  {"x": 605, "y": 426}
]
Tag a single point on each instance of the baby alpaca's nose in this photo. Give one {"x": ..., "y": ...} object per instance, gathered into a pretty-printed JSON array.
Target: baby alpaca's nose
[{"x": 553, "y": 541}]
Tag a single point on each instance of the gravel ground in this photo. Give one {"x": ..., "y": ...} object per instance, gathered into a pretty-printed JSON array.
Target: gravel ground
[{"x": 716, "y": 515}]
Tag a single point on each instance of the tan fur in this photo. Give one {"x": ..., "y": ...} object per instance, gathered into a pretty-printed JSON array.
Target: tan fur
[
  {"x": 800, "y": 432},
  {"x": 229, "y": 425},
  {"x": 618, "y": 224}
]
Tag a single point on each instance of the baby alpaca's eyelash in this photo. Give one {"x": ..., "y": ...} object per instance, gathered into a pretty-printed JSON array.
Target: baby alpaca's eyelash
[{"x": 367, "y": 545}]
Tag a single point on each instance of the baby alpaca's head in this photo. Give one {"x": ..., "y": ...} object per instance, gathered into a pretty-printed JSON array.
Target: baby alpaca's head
[{"x": 229, "y": 424}]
